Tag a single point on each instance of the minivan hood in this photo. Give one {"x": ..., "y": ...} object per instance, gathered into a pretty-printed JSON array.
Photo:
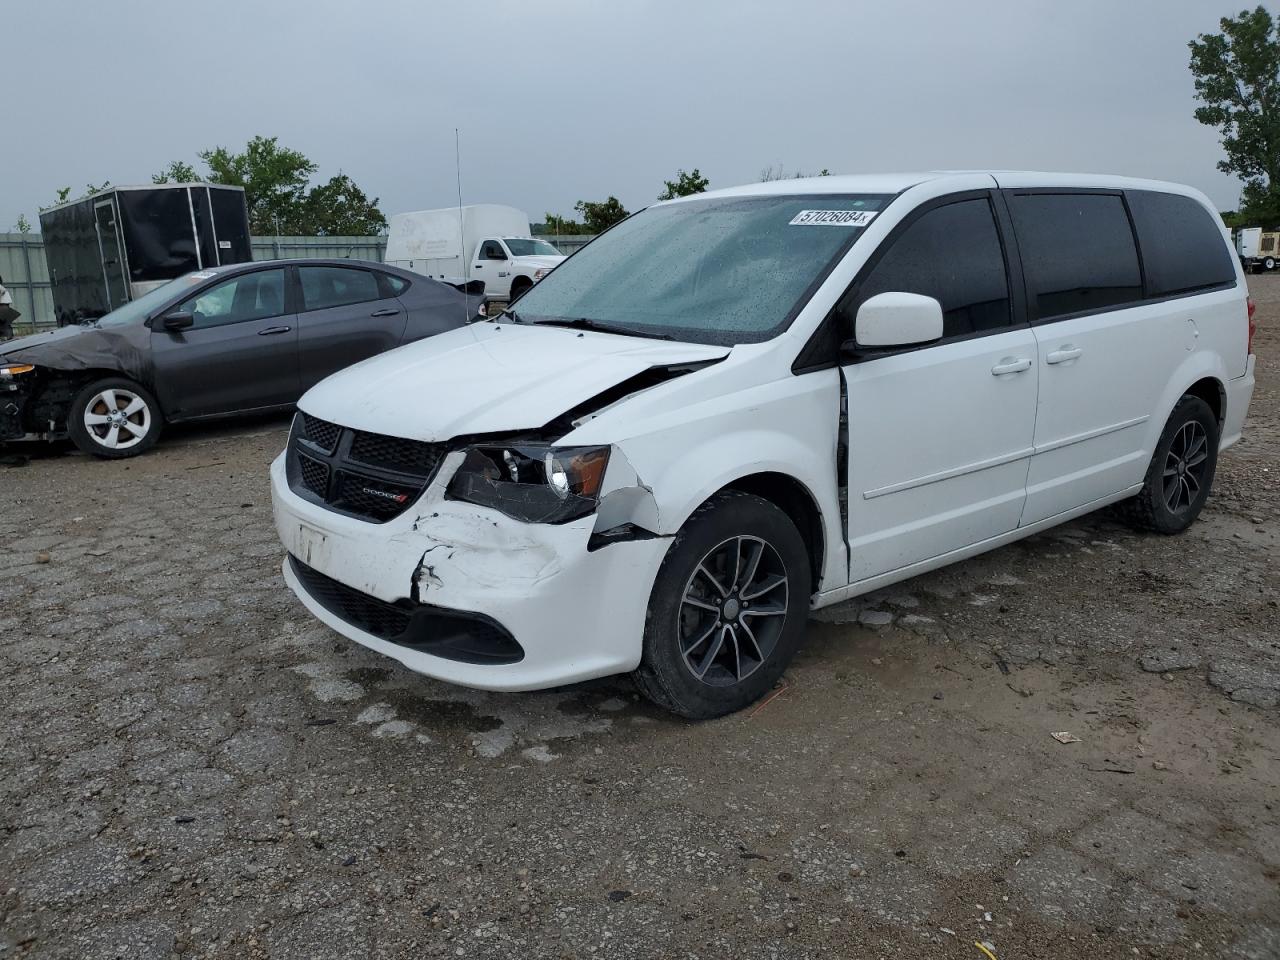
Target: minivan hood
[{"x": 488, "y": 378}]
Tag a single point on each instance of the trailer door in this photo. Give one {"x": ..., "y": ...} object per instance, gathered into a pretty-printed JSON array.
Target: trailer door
[{"x": 111, "y": 249}]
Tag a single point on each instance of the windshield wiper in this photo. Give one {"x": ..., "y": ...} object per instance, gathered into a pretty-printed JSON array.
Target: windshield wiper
[{"x": 583, "y": 323}]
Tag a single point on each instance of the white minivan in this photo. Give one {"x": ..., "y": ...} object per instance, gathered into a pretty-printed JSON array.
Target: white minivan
[{"x": 734, "y": 407}]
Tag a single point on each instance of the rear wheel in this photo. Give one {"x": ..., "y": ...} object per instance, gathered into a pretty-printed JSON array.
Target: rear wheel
[
  {"x": 1269, "y": 263},
  {"x": 728, "y": 608},
  {"x": 1180, "y": 473},
  {"x": 114, "y": 418}
]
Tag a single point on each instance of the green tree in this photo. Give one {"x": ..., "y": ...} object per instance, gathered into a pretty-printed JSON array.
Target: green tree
[
  {"x": 600, "y": 216},
  {"x": 555, "y": 224},
  {"x": 339, "y": 208},
  {"x": 685, "y": 184},
  {"x": 64, "y": 193},
  {"x": 1237, "y": 80},
  {"x": 176, "y": 171},
  {"x": 275, "y": 183},
  {"x": 23, "y": 225}
]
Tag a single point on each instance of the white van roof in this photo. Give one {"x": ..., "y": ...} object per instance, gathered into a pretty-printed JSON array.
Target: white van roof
[{"x": 892, "y": 183}]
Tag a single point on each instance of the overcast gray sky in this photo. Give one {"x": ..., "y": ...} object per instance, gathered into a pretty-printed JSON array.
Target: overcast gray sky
[{"x": 561, "y": 100}]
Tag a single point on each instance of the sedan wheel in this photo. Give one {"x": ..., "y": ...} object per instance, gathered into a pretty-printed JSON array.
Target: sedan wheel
[
  {"x": 117, "y": 418},
  {"x": 113, "y": 419}
]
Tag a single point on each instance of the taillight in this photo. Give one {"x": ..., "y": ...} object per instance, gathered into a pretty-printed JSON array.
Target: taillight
[{"x": 1253, "y": 322}]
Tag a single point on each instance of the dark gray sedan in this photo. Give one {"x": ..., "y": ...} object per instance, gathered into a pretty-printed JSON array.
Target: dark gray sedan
[{"x": 231, "y": 340}]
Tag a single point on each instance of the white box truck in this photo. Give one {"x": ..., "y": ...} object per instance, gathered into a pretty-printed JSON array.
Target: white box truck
[{"x": 484, "y": 241}]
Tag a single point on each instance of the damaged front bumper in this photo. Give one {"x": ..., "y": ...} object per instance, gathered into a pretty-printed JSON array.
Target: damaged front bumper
[{"x": 572, "y": 612}]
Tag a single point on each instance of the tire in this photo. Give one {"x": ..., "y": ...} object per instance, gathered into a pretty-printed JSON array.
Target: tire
[
  {"x": 706, "y": 653},
  {"x": 1269, "y": 263},
  {"x": 518, "y": 288},
  {"x": 98, "y": 431},
  {"x": 1181, "y": 472}
]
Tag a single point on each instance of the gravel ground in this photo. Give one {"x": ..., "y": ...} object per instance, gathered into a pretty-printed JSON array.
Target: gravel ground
[{"x": 193, "y": 767}]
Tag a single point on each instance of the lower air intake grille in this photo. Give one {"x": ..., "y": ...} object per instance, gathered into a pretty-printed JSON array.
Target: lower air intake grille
[{"x": 451, "y": 634}]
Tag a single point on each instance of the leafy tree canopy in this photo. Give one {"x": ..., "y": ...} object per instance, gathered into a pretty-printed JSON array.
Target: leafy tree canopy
[
  {"x": 276, "y": 182},
  {"x": 1237, "y": 81},
  {"x": 599, "y": 216},
  {"x": 685, "y": 184}
]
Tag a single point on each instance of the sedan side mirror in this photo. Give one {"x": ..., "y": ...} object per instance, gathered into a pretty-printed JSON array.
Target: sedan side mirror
[
  {"x": 179, "y": 320},
  {"x": 897, "y": 320}
]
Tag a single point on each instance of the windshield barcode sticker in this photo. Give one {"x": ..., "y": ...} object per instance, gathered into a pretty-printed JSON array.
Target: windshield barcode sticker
[{"x": 832, "y": 218}]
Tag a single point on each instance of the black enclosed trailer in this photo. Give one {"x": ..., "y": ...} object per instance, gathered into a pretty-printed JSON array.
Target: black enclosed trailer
[{"x": 112, "y": 246}]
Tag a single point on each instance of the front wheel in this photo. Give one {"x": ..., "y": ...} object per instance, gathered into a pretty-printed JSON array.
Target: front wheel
[
  {"x": 1180, "y": 473},
  {"x": 727, "y": 610},
  {"x": 114, "y": 418},
  {"x": 1269, "y": 263}
]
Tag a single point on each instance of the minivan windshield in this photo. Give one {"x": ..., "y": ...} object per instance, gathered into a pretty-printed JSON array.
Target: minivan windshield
[
  {"x": 135, "y": 311},
  {"x": 720, "y": 271},
  {"x": 525, "y": 247}
]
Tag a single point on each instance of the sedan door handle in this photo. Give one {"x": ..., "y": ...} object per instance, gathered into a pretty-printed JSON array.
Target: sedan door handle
[
  {"x": 1011, "y": 365},
  {"x": 390, "y": 312},
  {"x": 1063, "y": 354},
  {"x": 270, "y": 330}
]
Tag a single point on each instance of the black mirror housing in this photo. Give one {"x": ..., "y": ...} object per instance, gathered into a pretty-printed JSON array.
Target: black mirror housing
[{"x": 179, "y": 320}]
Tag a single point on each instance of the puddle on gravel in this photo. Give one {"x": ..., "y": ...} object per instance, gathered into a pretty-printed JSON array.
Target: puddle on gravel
[{"x": 437, "y": 713}]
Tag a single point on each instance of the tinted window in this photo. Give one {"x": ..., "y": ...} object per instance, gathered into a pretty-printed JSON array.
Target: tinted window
[
  {"x": 1077, "y": 251},
  {"x": 951, "y": 253},
  {"x": 336, "y": 286},
  {"x": 1182, "y": 245},
  {"x": 492, "y": 250},
  {"x": 250, "y": 296},
  {"x": 393, "y": 286}
]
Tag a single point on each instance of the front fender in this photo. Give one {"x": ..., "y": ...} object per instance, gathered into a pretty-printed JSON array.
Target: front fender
[{"x": 683, "y": 458}]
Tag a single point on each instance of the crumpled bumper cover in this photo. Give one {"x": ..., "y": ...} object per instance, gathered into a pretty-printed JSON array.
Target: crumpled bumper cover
[{"x": 576, "y": 614}]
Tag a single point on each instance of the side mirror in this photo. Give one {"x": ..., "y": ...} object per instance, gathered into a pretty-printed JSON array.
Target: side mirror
[
  {"x": 897, "y": 320},
  {"x": 179, "y": 320}
]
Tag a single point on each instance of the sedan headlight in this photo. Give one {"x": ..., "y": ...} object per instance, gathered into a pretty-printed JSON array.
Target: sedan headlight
[
  {"x": 13, "y": 369},
  {"x": 533, "y": 482}
]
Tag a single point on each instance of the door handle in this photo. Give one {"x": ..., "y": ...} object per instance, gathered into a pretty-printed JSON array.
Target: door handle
[
  {"x": 479, "y": 266},
  {"x": 1063, "y": 354},
  {"x": 1011, "y": 365},
  {"x": 390, "y": 312},
  {"x": 270, "y": 330}
]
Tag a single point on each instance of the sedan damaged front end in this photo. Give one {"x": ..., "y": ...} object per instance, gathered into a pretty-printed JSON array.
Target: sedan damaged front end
[
  {"x": 32, "y": 403},
  {"x": 498, "y": 564}
]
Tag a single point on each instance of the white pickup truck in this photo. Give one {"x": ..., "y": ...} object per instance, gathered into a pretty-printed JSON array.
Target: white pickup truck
[{"x": 484, "y": 241}]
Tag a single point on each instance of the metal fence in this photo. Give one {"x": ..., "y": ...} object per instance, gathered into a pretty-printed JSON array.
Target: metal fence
[{"x": 25, "y": 273}]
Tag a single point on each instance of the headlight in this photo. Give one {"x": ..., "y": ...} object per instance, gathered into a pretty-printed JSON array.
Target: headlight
[
  {"x": 539, "y": 274},
  {"x": 536, "y": 483},
  {"x": 13, "y": 369}
]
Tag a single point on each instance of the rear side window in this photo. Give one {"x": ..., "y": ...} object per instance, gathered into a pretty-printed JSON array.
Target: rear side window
[
  {"x": 1182, "y": 245},
  {"x": 392, "y": 286},
  {"x": 1077, "y": 252},
  {"x": 336, "y": 287},
  {"x": 953, "y": 254}
]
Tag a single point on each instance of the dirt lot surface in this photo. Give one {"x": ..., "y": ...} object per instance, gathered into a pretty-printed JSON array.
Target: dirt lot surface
[{"x": 192, "y": 766}]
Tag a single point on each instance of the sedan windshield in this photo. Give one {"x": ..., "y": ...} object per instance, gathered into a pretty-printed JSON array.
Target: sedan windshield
[
  {"x": 135, "y": 311},
  {"x": 720, "y": 270},
  {"x": 524, "y": 247}
]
